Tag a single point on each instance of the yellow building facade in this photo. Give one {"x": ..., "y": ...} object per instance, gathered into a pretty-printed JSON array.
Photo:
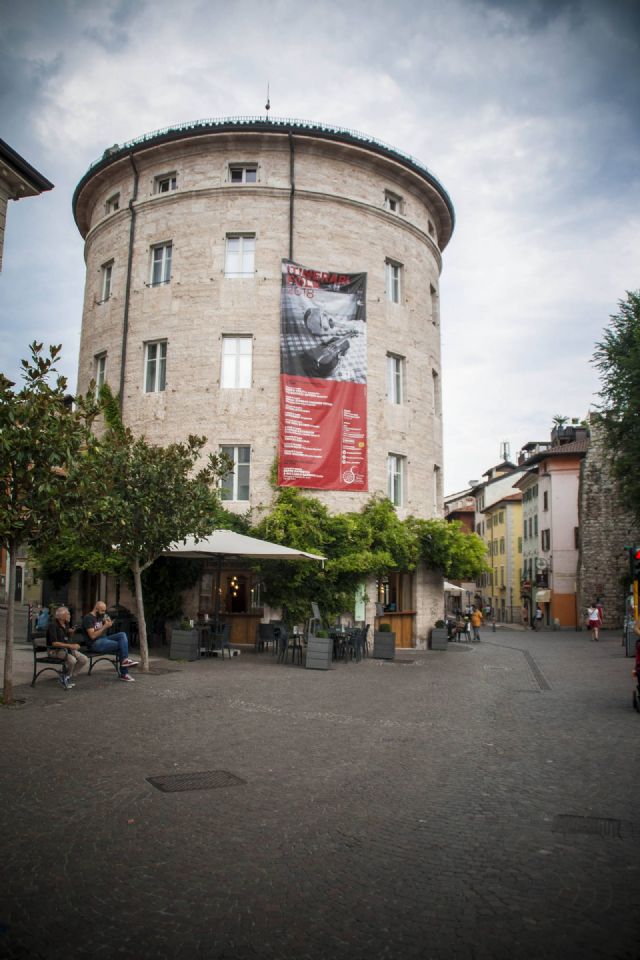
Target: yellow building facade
[{"x": 503, "y": 536}]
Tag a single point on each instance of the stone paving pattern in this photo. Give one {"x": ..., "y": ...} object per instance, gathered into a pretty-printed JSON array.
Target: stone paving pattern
[{"x": 389, "y": 810}]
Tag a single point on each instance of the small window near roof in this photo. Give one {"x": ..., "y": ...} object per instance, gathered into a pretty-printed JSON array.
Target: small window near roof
[
  {"x": 112, "y": 204},
  {"x": 392, "y": 202},
  {"x": 165, "y": 183},
  {"x": 243, "y": 173}
]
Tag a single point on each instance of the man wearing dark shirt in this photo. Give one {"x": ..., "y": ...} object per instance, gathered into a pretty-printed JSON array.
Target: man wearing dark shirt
[
  {"x": 60, "y": 644},
  {"x": 95, "y": 626}
]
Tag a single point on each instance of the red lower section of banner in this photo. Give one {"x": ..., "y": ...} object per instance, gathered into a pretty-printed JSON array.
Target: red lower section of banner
[{"x": 323, "y": 434}]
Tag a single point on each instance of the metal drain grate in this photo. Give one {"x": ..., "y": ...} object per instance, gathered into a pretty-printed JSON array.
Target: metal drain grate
[
  {"x": 182, "y": 782},
  {"x": 540, "y": 678},
  {"x": 592, "y": 826}
]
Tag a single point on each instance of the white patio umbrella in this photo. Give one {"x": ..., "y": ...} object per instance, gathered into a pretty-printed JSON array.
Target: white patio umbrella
[{"x": 228, "y": 543}]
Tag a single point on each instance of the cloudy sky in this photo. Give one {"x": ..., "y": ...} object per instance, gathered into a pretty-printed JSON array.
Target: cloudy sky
[{"x": 527, "y": 112}]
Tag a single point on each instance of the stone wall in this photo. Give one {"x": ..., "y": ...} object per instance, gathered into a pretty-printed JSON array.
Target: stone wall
[{"x": 606, "y": 527}]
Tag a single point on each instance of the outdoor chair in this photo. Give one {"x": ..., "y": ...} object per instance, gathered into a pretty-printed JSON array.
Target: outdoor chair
[
  {"x": 264, "y": 636},
  {"x": 220, "y": 638}
]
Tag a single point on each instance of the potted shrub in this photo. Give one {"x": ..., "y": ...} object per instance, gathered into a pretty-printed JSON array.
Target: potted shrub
[
  {"x": 439, "y": 636},
  {"x": 319, "y": 651},
  {"x": 185, "y": 642},
  {"x": 384, "y": 642}
]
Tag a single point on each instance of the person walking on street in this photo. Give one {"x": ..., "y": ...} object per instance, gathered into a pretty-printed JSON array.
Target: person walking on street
[
  {"x": 593, "y": 621},
  {"x": 537, "y": 619},
  {"x": 476, "y": 623},
  {"x": 95, "y": 626}
]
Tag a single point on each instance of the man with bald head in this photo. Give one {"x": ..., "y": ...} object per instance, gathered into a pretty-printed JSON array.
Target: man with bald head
[{"x": 95, "y": 626}]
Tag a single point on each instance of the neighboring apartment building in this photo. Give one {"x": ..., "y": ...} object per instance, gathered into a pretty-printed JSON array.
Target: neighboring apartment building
[
  {"x": 550, "y": 520},
  {"x": 500, "y": 483},
  {"x": 190, "y": 236},
  {"x": 460, "y": 507},
  {"x": 503, "y": 525},
  {"x": 18, "y": 179}
]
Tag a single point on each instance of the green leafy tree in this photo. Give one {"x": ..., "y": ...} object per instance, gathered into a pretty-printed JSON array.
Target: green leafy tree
[
  {"x": 448, "y": 547},
  {"x": 357, "y": 545},
  {"x": 617, "y": 359},
  {"x": 145, "y": 497},
  {"x": 42, "y": 438}
]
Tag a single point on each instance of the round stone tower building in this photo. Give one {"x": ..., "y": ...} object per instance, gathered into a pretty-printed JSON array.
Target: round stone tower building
[{"x": 185, "y": 232}]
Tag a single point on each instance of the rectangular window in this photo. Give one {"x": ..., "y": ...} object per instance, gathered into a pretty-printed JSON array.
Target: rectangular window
[
  {"x": 161, "y": 263},
  {"x": 535, "y": 525},
  {"x": 545, "y": 500},
  {"x": 435, "y": 377},
  {"x": 107, "y": 273},
  {"x": 392, "y": 202},
  {"x": 165, "y": 183},
  {"x": 435, "y": 308},
  {"x": 501, "y": 544},
  {"x": 395, "y": 479},
  {"x": 576, "y": 537},
  {"x": 436, "y": 487},
  {"x": 240, "y": 256},
  {"x": 519, "y": 544},
  {"x": 100, "y": 366},
  {"x": 393, "y": 275},
  {"x": 235, "y": 484},
  {"x": 155, "y": 363},
  {"x": 395, "y": 378},
  {"x": 243, "y": 173},
  {"x": 236, "y": 362},
  {"x": 112, "y": 204}
]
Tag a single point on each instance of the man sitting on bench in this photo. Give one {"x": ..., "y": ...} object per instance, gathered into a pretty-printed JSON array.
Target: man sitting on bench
[
  {"x": 95, "y": 626},
  {"x": 61, "y": 645}
]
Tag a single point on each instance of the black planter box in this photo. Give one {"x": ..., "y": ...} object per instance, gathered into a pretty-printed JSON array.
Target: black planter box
[
  {"x": 319, "y": 653},
  {"x": 384, "y": 645},
  {"x": 185, "y": 645}
]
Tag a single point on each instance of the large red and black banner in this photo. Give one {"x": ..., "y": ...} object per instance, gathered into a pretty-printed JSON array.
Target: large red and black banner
[{"x": 323, "y": 379}]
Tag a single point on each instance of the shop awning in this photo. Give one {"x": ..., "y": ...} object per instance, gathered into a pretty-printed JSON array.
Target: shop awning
[
  {"x": 451, "y": 588},
  {"x": 543, "y": 596}
]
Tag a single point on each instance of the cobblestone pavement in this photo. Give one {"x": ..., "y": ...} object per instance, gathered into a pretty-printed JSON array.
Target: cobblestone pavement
[{"x": 481, "y": 803}]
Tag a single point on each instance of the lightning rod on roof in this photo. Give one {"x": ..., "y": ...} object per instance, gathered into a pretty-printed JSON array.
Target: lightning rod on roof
[{"x": 267, "y": 105}]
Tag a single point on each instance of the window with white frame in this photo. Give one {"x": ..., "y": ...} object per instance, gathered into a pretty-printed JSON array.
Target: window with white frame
[
  {"x": 161, "y": 255},
  {"x": 112, "y": 204},
  {"x": 243, "y": 172},
  {"x": 107, "y": 274},
  {"x": 236, "y": 362},
  {"x": 396, "y": 478},
  {"x": 155, "y": 366},
  {"x": 393, "y": 280},
  {"x": 395, "y": 378},
  {"x": 166, "y": 182},
  {"x": 99, "y": 370},
  {"x": 235, "y": 484},
  {"x": 240, "y": 255},
  {"x": 392, "y": 202}
]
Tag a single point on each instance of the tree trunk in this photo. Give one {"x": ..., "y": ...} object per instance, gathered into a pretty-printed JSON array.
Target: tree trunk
[
  {"x": 7, "y": 693},
  {"x": 142, "y": 624}
]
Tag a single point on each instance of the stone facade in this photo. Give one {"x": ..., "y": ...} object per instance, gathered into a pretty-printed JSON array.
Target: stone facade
[
  {"x": 606, "y": 528},
  {"x": 320, "y": 199}
]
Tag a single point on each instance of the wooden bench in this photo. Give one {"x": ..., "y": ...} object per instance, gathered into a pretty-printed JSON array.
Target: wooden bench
[{"x": 43, "y": 659}]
